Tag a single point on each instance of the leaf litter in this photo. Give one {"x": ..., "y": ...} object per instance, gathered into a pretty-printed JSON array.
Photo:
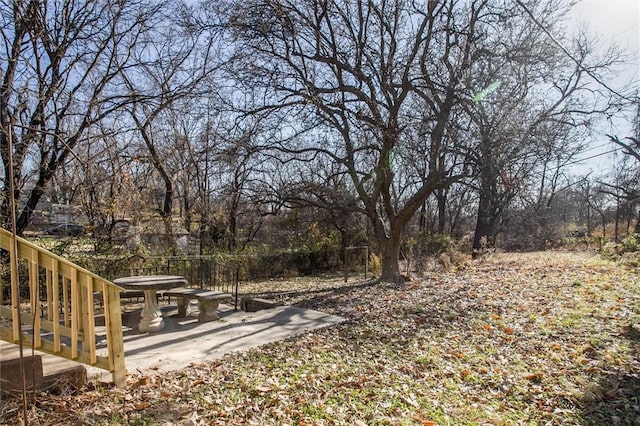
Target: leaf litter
[{"x": 533, "y": 338}]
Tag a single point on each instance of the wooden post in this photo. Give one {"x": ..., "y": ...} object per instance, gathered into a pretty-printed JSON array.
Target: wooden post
[
  {"x": 74, "y": 306},
  {"x": 65, "y": 300},
  {"x": 34, "y": 285},
  {"x": 49, "y": 283},
  {"x": 15, "y": 292},
  {"x": 115, "y": 343},
  {"x": 89, "y": 318},
  {"x": 55, "y": 305}
]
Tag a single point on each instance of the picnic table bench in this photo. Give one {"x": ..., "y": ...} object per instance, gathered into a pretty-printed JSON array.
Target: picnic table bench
[{"x": 208, "y": 301}]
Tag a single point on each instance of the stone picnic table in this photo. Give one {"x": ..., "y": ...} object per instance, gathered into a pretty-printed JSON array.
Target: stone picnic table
[{"x": 151, "y": 318}]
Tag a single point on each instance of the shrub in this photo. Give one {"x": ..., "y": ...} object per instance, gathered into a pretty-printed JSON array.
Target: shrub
[
  {"x": 631, "y": 244},
  {"x": 428, "y": 251},
  {"x": 288, "y": 264},
  {"x": 375, "y": 264},
  {"x": 435, "y": 244},
  {"x": 626, "y": 252}
]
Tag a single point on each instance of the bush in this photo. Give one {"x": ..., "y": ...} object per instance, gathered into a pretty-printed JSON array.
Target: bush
[
  {"x": 289, "y": 264},
  {"x": 375, "y": 264},
  {"x": 631, "y": 244},
  {"x": 428, "y": 252},
  {"x": 631, "y": 259},
  {"x": 435, "y": 244},
  {"x": 626, "y": 252}
]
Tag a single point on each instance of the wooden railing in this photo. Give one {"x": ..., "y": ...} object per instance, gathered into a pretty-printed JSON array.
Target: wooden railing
[{"x": 59, "y": 317}]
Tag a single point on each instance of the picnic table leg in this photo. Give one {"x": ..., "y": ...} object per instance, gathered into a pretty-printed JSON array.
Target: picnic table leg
[
  {"x": 207, "y": 310},
  {"x": 183, "y": 306},
  {"x": 151, "y": 317}
]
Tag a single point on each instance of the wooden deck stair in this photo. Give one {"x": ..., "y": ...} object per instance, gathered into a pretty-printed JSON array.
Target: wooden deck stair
[{"x": 59, "y": 316}]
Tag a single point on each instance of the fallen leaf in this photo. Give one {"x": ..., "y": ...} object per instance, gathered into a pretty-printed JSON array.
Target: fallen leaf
[
  {"x": 142, "y": 381},
  {"x": 143, "y": 406},
  {"x": 263, "y": 388},
  {"x": 534, "y": 377}
]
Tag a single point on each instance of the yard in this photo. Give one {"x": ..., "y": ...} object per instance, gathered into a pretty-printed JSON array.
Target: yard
[{"x": 535, "y": 338}]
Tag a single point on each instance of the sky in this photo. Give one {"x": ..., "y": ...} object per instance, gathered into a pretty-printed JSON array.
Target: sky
[{"x": 613, "y": 21}]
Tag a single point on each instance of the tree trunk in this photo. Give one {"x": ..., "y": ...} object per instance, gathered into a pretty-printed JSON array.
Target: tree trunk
[
  {"x": 170, "y": 235},
  {"x": 390, "y": 253},
  {"x": 389, "y": 244},
  {"x": 481, "y": 231},
  {"x": 187, "y": 210},
  {"x": 44, "y": 177},
  {"x": 423, "y": 218},
  {"x": 441, "y": 195},
  {"x": 343, "y": 241},
  {"x": 617, "y": 221},
  {"x": 233, "y": 230},
  {"x": 485, "y": 224},
  {"x": 233, "y": 219}
]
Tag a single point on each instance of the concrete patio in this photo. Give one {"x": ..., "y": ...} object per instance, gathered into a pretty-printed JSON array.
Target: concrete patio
[{"x": 184, "y": 340}]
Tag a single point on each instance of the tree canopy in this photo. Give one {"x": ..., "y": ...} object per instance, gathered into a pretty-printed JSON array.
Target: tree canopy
[{"x": 216, "y": 117}]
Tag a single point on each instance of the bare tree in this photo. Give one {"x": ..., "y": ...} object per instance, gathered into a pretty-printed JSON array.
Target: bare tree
[
  {"x": 627, "y": 186},
  {"x": 61, "y": 72},
  {"x": 533, "y": 113},
  {"x": 321, "y": 187},
  {"x": 367, "y": 74},
  {"x": 108, "y": 182},
  {"x": 238, "y": 158},
  {"x": 175, "y": 65}
]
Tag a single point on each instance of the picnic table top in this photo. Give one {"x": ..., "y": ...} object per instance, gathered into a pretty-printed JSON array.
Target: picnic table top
[{"x": 150, "y": 282}]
